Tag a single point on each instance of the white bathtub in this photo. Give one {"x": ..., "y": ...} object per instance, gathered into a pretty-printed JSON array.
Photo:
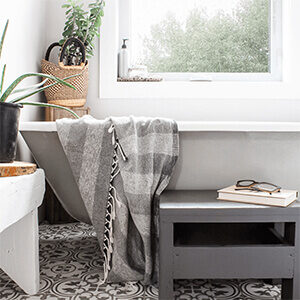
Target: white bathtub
[{"x": 212, "y": 155}]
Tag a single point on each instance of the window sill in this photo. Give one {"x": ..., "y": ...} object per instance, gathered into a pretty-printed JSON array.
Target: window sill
[
  {"x": 198, "y": 90},
  {"x": 139, "y": 79}
]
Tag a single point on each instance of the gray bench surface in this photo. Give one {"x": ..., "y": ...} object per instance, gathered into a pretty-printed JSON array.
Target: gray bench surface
[{"x": 207, "y": 199}]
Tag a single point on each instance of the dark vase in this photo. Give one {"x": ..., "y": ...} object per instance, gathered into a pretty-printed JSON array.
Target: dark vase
[{"x": 9, "y": 127}]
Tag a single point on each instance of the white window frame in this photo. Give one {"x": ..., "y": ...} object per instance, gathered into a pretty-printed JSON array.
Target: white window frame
[
  {"x": 275, "y": 63},
  {"x": 286, "y": 88}
]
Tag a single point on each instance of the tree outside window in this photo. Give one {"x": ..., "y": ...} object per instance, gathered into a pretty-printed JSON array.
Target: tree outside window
[{"x": 235, "y": 40}]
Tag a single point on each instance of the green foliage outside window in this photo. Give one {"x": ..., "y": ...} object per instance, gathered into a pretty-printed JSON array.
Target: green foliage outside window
[{"x": 237, "y": 42}]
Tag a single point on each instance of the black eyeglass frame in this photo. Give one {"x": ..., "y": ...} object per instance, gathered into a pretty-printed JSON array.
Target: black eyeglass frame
[{"x": 252, "y": 186}]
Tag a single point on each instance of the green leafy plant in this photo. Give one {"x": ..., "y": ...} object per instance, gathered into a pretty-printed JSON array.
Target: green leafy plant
[
  {"x": 83, "y": 25},
  {"x": 14, "y": 95}
]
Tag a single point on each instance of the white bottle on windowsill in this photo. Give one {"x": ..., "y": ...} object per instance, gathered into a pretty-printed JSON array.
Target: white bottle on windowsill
[{"x": 124, "y": 60}]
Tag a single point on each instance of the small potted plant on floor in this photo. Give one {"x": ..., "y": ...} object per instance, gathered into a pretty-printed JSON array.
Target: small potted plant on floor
[
  {"x": 77, "y": 45},
  {"x": 12, "y": 99}
]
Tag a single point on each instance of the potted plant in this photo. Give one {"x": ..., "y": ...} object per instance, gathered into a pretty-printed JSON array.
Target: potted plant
[
  {"x": 83, "y": 25},
  {"x": 12, "y": 99},
  {"x": 77, "y": 45}
]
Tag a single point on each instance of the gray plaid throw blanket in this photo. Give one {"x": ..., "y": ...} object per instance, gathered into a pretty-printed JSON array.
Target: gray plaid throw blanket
[{"x": 121, "y": 166}]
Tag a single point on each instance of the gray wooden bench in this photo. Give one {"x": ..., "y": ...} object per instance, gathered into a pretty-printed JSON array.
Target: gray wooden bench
[{"x": 204, "y": 238}]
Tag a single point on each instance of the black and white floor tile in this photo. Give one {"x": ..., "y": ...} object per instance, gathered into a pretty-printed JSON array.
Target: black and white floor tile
[{"x": 70, "y": 263}]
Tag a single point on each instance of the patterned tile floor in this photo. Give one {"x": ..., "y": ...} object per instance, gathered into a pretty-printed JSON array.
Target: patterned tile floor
[{"x": 70, "y": 266}]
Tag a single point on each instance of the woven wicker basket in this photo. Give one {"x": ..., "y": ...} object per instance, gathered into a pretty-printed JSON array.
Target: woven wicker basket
[{"x": 60, "y": 94}]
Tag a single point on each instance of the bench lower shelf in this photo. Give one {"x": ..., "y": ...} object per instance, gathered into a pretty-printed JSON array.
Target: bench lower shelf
[{"x": 233, "y": 262}]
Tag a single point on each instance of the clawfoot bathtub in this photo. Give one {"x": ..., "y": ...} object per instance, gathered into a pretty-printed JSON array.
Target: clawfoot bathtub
[{"x": 212, "y": 155}]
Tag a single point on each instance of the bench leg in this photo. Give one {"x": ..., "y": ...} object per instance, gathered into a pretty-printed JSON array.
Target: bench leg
[
  {"x": 291, "y": 287},
  {"x": 19, "y": 253},
  {"x": 166, "y": 261}
]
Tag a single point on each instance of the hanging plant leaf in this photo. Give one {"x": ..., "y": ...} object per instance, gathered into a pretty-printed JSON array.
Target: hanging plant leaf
[{"x": 3, "y": 37}]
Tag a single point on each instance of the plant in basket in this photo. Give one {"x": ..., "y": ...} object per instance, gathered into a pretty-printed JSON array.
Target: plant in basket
[
  {"x": 13, "y": 98},
  {"x": 77, "y": 44}
]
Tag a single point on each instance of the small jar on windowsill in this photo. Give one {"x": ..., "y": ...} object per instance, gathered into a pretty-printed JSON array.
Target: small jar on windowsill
[{"x": 139, "y": 74}]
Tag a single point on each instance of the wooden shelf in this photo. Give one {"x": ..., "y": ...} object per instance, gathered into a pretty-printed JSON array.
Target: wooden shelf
[{"x": 53, "y": 114}]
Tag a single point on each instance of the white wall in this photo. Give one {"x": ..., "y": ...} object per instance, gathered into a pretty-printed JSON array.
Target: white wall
[
  {"x": 186, "y": 109},
  {"x": 23, "y": 49},
  {"x": 24, "y": 43}
]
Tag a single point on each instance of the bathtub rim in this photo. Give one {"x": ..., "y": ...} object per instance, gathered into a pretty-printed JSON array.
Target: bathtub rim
[{"x": 193, "y": 126}]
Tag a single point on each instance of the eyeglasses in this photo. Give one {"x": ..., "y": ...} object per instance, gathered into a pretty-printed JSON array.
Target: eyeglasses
[{"x": 257, "y": 186}]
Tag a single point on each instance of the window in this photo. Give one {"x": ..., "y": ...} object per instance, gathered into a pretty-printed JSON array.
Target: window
[{"x": 204, "y": 39}]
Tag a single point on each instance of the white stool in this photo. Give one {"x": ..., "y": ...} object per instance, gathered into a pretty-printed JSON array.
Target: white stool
[{"x": 20, "y": 196}]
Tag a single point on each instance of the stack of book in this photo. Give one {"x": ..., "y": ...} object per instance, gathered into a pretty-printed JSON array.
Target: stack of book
[{"x": 283, "y": 198}]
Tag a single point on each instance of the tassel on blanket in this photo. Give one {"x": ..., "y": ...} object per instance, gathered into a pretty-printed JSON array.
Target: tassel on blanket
[
  {"x": 110, "y": 208},
  {"x": 115, "y": 141}
]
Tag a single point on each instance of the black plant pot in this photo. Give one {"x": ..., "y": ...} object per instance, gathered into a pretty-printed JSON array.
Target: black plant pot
[{"x": 9, "y": 127}]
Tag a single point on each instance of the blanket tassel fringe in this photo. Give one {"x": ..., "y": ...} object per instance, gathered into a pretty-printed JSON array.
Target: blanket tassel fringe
[{"x": 110, "y": 208}]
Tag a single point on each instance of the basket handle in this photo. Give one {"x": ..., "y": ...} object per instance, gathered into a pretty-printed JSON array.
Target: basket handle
[
  {"x": 50, "y": 49},
  {"x": 69, "y": 41}
]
